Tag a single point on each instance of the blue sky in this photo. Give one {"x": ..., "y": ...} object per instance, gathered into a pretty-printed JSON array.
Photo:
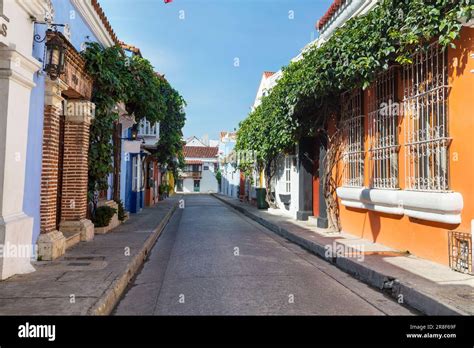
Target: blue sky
[{"x": 197, "y": 53}]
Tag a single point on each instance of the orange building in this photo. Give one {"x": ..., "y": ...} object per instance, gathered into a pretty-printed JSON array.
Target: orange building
[{"x": 405, "y": 174}]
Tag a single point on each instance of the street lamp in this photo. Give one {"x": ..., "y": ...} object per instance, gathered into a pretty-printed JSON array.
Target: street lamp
[
  {"x": 55, "y": 54},
  {"x": 134, "y": 132}
]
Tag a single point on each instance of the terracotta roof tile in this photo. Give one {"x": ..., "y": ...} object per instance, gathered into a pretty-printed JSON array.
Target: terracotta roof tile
[
  {"x": 105, "y": 21},
  {"x": 336, "y": 5},
  {"x": 268, "y": 74},
  {"x": 200, "y": 151},
  {"x": 131, "y": 48}
]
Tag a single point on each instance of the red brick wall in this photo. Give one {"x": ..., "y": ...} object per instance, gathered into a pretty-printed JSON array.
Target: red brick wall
[
  {"x": 49, "y": 173},
  {"x": 74, "y": 195}
]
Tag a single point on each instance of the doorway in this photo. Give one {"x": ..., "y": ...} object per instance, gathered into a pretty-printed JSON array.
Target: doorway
[
  {"x": 179, "y": 185},
  {"x": 197, "y": 185}
]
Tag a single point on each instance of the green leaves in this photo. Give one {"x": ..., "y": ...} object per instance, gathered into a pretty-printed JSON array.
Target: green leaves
[
  {"x": 134, "y": 82},
  {"x": 170, "y": 147},
  {"x": 351, "y": 58}
]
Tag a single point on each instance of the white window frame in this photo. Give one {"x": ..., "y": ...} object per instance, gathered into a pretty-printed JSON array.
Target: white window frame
[
  {"x": 427, "y": 137},
  {"x": 287, "y": 174},
  {"x": 353, "y": 155},
  {"x": 134, "y": 174},
  {"x": 383, "y": 131}
]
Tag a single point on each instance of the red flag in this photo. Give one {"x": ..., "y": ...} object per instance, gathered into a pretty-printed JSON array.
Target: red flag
[{"x": 168, "y": 1}]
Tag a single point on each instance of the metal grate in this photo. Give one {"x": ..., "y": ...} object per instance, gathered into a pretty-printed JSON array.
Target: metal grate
[
  {"x": 426, "y": 112},
  {"x": 353, "y": 138},
  {"x": 383, "y": 131},
  {"x": 460, "y": 252}
]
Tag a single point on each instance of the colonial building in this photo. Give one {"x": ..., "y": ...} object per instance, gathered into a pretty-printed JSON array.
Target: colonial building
[
  {"x": 230, "y": 174},
  {"x": 132, "y": 154},
  {"x": 46, "y": 110},
  {"x": 201, "y": 166},
  {"x": 292, "y": 179},
  {"x": 67, "y": 116},
  {"x": 149, "y": 133},
  {"x": 407, "y": 151},
  {"x": 18, "y": 76}
]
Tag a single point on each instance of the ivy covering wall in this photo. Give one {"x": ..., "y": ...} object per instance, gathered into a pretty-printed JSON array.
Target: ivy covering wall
[
  {"x": 133, "y": 81},
  {"x": 352, "y": 57}
]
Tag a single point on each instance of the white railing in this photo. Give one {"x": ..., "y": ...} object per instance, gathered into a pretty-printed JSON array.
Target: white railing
[
  {"x": 146, "y": 128},
  {"x": 353, "y": 138},
  {"x": 383, "y": 131},
  {"x": 426, "y": 112}
]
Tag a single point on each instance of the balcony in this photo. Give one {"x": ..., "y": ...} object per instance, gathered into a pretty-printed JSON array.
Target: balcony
[
  {"x": 191, "y": 175},
  {"x": 147, "y": 129}
]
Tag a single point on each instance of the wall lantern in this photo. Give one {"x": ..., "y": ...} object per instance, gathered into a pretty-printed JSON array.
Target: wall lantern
[
  {"x": 55, "y": 54},
  {"x": 134, "y": 132}
]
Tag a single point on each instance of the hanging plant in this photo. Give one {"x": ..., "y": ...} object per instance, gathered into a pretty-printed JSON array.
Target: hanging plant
[{"x": 132, "y": 81}]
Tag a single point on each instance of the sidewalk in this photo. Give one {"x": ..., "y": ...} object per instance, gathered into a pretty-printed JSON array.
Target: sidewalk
[
  {"x": 92, "y": 276},
  {"x": 428, "y": 287}
]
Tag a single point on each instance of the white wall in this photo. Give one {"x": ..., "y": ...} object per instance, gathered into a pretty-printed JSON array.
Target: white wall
[
  {"x": 188, "y": 185},
  {"x": 350, "y": 9},
  {"x": 208, "y": 180},
  {"x": 230, "y": 180},
  {"x": 16, "y": 82},
  {"x": 281, "y": 189},
  {"x": 195, "y": 142}
]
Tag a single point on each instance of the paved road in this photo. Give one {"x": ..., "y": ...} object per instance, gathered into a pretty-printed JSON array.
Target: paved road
[{"x": 211, "y": 260}]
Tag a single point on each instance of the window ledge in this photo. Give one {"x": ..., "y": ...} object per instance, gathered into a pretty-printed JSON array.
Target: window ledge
[{"x": 442, "y": 207}]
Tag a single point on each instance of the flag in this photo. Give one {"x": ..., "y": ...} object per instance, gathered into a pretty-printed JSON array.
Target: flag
[{"x": 168, "y": 1}]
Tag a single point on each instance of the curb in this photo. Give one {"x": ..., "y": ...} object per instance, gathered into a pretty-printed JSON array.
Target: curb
[
  {"x": 107, "y": 302},
  {"x": 394, "y": 287}
]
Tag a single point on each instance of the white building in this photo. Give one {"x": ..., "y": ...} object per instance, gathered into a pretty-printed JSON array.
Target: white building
[
  {"x": 290, "y": 178},
  {"x": 347, "y": 10},
  {"x": 230, "y": 174},
  {"x": 18, "y": 68},
  {"x": 202, "y": 164}
]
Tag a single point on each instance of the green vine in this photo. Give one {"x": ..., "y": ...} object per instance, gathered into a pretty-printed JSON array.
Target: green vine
[
  {"x": 118, "y": 78},
  {"x": 170, "y": 146},
  {"x": 351, "y": 58}
]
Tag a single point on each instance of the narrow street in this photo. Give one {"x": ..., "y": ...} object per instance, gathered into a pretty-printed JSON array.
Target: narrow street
[{"x": 211, "y": 260}]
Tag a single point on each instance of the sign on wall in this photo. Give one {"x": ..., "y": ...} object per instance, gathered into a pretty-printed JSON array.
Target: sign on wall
[
  {"x": 132, "y": 146},
  {"x": 3, "y": 24}
]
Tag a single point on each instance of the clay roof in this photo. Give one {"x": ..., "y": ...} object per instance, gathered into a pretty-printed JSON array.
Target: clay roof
[
  {"x": 131, "y": 48},
  {"x": 105, "y": 21},
  {"x": 231, "y": 135},
  {"x": 194, "y": 162},
  {"x": 268, "y": 74},
  {"x": 336, "y": 5},
  {"x": 200, "y": 151}
]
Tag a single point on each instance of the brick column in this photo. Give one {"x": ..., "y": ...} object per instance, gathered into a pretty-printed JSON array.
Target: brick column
[
  {"x": 51, "y": 242},
  {"x": 78, "y": 117}
]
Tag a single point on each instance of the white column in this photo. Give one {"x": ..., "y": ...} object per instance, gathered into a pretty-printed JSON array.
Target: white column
[{"x": 16, "y": 228}]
